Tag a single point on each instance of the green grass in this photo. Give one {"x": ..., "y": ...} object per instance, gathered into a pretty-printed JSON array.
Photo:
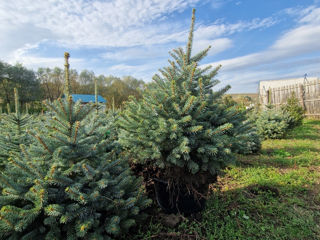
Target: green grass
[{"x": 273, "y": 195}]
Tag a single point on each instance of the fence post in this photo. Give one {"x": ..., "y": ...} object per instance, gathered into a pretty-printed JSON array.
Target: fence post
[
  {"x": 264, "y": 97},
  {"x": 269, "y": 96},
  {"x": 302, "y": 96}
]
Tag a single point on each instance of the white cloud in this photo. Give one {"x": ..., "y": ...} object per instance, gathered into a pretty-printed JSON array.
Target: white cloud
[
  {"x": 117, "y": 23},
  {"x": 92, "y": 23},
  {"x": 156, "y": 44},
  {"x": 219, "y": 28},
  {"x": 137, "y": 53},
  {"x": 14, "y": 37},
  {"x": 295, "y": 43},
  {"x": 145, "y": 71},
  {"x": 81, "y": 23},
  {"x": 298, "y": 11},
  {"x": 302, "y": 39},
  {"x": 139, "y": 29},
  {"x": 206, "y": 35},
  {"x": 32, "y": 61},
  {"x": 217, "y": 45},
  {"x": 216, "y": 4},
  {"x": 142, "y": 71},
  {"x": 246, "y": 80},
  {"x": 161, "y": 51},
  {"x": 310, "y": 15},
  {"x": 35, "y": 62}
]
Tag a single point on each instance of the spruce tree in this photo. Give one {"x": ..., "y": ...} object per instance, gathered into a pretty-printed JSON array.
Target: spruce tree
[
  {"x": 273, "y": 123},
  {"x": 72, "y": 182},
  {"x": 13, "y": 131},
  {"x": 294, "y": 110},
  {"x": 181, "y": 126}
]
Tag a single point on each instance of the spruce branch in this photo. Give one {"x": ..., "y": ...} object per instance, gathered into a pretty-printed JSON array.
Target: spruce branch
[
  {"x": 76, "y": 131},
  {"x": 194, "y": 67},
  {"x": 70, "y": 104},
  {"x": 62, "y": 106},
  {"x": 29, "y": 161},
  {"x": 60, "y": 123},
  {"x": 40, "y": 141},
  {"x": 2, "y": 218},
  {"x": 200, "y": 88},
  {"x": 173, "y": 87},
  {"x": 198, "y": 57},
  {"x": 5, "y": 181},
  {"x": 188, "y": 104}
]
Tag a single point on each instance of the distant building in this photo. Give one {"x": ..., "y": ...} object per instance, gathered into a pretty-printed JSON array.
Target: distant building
[
  {"x": 87, "y": 98},
  {"x": 265, "y": 85}
]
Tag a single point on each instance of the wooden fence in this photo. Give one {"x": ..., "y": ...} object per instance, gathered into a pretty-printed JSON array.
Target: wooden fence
[{"x": 308, "y": 95}]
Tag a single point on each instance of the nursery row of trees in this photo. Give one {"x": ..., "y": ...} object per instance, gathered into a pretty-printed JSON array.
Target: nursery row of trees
[{"x": 47, "y": 83}]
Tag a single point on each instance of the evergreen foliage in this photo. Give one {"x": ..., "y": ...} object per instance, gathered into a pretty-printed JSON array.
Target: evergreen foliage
[
  {"x": 71, "y": 183},
  {"x": 294, "y": 110},
  {"x": 13, "y": 131},
  {"x": 181, "y": 125},
  {"x": 273, "y": 123},
  {"x": 249, "y": 143},
  {"x": 246, "y": 137}
]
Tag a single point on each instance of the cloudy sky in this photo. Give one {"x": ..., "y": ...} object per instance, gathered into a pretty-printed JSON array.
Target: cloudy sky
[{"x": 253, "y": 39}]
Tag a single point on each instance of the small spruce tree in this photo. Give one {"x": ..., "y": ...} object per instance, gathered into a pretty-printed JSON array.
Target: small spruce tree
[
  {"x": 13, "y": 131},
  {"x": 72, "y": 182},
  {"x": 181, "y": 126},
  {"x": 273, "y": 123},
  {"x": 294, "y": 110}
]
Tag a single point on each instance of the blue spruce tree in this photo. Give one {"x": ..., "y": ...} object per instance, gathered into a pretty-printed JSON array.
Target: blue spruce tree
[
  {"x": 13, "y": 131},
  {"x": 182, "y": 126},
  {"x": 72, "y": 182}
]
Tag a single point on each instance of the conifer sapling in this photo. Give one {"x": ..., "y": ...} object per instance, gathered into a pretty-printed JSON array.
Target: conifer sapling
[
  {"x": 181, "y": 126},
  {"x": 13, "y": 131},
  {"x": 72, "y": 182}
]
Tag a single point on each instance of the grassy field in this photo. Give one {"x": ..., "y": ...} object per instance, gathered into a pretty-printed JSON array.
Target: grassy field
[{"x": 273, "y": 195}]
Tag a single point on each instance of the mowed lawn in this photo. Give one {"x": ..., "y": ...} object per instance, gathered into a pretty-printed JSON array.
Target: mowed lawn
[{"x": 273, "y": 195}]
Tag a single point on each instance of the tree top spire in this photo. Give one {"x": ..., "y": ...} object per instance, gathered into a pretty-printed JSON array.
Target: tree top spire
[
  {"x": 67, "y": 88},
  {"x": 16, "y": 101},
  {"x": 189, "y": 44}
]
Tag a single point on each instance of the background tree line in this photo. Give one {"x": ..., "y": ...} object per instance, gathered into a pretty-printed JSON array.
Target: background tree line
[{"x": 48, "y": 83}]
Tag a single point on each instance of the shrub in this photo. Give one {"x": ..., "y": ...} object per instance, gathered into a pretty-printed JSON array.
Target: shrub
[
  {"x": 294, "y": 111},
  {"x": 71, "y": 183},
  {"x": 273, "y": 123}
]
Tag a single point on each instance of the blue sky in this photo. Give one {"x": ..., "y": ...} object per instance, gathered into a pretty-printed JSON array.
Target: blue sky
[{"x": 253, "y": 39}]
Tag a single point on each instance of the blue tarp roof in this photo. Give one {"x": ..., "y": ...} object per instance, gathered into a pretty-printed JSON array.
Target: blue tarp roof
[{"x": 85, "y": 98}]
